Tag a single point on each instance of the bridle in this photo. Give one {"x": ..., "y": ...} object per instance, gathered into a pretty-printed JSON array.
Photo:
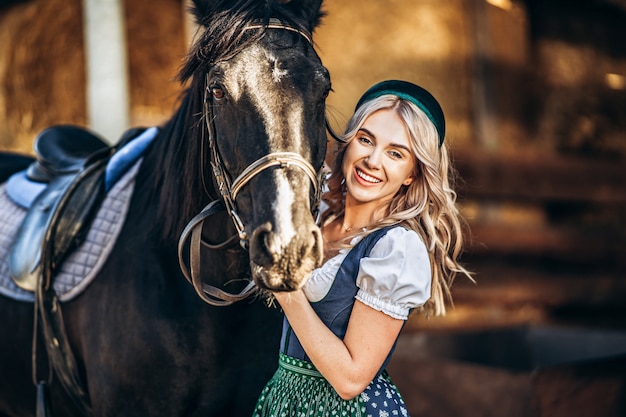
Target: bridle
[{"x": 229, "y": 191}]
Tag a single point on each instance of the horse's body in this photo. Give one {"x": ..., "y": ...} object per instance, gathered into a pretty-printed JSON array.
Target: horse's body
[{"x": 145, "y": 343}]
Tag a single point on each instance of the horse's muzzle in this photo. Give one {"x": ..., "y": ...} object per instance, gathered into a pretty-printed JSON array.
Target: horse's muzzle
[{"x": 284, "y": 266}]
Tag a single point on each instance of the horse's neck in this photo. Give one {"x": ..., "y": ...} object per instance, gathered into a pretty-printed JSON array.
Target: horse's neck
[
  {"x": 175, "y": 180},
  {"x": 218, "y": 266}
]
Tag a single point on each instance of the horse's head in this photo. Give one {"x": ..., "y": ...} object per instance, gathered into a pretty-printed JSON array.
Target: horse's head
[{"x": 264, "y": 115}]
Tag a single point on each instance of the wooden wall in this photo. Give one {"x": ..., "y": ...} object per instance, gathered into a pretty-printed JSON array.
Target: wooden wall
[
  {"x": 42, "y": 81},
  {"x": 533, "y": 93},
  {"x": 42, "y": 65}
]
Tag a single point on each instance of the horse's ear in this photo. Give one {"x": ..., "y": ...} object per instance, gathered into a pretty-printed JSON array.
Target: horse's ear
[{"x": 308, "y": 10}]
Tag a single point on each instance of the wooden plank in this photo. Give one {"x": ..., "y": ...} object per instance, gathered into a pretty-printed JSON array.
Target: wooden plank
[
  {"x": 511, "y": 295},
  {"x": 540, "y": 177},
  {"x": 568, "y": 244}
]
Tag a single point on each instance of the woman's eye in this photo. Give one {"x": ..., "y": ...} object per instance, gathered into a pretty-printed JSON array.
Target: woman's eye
[
  {"x": 395, "y": 154},
  {"x": 364, "y": 139}
]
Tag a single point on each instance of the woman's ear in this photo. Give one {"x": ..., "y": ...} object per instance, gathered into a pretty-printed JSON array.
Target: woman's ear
[{"x": 408, "y": 181}]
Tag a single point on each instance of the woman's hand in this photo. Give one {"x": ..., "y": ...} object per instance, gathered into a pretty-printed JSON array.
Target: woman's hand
[{"x": 349, "y": 365}]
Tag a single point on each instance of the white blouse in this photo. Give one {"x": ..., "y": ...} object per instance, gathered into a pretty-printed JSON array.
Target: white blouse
[{"x": 393, "y": 279}]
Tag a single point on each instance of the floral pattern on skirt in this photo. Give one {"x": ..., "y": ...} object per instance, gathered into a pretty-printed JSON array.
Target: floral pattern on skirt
[{"x": 297, "y": 389}]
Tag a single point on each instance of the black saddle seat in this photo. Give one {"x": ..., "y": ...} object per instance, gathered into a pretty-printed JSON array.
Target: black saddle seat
[{"x": 62, "y": 150}]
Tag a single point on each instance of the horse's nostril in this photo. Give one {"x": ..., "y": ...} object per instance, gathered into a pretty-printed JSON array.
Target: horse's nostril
[
  {"x": 272, "y": 245},
  {"x": 318, "y": 246},
  {"x": 313, "y": 248},
  {"x": 262, "y": 247}
]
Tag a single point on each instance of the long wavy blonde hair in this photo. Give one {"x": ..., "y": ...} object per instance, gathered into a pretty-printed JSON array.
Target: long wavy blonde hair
[{"x": 427, "y": 205}]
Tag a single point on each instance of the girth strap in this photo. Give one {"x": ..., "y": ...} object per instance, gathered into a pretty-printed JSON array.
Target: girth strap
[
  {"x": 87, "y": 189},
  {"x": 64, "y": 219}
]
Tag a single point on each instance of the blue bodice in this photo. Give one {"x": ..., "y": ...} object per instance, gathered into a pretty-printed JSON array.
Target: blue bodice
[{"x": 335, "y": 308}]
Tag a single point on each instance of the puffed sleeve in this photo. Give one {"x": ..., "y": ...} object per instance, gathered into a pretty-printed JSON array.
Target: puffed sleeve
[{"x": 396, "y": 277}]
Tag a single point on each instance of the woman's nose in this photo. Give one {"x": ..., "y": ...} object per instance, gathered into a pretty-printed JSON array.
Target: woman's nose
[{"x": 373, "y": 160}]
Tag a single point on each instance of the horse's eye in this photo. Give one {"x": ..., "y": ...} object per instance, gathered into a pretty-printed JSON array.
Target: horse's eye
[
  {"x": 217, "y": 92},
  {"x": 325, "y": 93}
]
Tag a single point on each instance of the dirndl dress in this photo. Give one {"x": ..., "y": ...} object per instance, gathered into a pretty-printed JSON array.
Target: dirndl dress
[{"x": 297, "y": 389}]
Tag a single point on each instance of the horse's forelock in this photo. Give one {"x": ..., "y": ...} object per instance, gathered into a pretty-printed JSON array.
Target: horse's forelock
[{"x": 224, "y": 23}]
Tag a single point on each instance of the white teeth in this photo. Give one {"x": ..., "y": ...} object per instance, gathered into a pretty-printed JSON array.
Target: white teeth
[{"x": 366, "y": 177}]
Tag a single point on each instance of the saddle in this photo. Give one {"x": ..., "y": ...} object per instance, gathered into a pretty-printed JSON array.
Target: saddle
[
  {"x": 71, "y": 162},
  {"x": 63, "y": 150}
]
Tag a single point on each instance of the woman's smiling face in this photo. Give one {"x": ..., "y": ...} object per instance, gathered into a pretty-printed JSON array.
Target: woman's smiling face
[{"x": 378, "y": 160}]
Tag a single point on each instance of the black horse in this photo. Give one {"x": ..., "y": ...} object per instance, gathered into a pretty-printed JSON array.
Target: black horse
[{"x": 252, "y": 121}]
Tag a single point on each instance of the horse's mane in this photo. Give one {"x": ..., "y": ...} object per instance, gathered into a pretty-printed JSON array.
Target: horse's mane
[{"x": 183, "y": 159}]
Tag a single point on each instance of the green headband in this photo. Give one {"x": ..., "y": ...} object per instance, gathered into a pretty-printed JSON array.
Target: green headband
[{"x": 413, "y": 93}]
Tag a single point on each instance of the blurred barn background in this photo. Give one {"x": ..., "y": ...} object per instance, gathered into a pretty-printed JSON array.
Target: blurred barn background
[{"x": 535, "y": 97}]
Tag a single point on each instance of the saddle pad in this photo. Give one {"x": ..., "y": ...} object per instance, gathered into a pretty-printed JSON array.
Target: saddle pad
[{"x": 80, "y": 267}]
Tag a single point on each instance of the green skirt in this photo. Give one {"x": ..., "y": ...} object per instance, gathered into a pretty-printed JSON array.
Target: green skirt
[{"x": 297, "y": 389}]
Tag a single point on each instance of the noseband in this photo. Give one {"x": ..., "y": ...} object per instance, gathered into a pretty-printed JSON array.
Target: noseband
[{"x": 229, "y": 192}]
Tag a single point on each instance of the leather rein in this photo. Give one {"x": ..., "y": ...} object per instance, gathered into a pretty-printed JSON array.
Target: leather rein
[{"x": 229, "y": 191}]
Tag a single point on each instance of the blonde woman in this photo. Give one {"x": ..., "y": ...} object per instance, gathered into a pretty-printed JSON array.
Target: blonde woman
[{"x": 392, "y": 237}]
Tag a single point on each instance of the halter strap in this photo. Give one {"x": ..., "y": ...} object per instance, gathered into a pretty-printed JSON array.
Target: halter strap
[
  {"x": 229, "y": 192},
  {"x": 274, "y": 23},
  {"x": 208, "y": 293},
  {"x": 281, "y": 159}
]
